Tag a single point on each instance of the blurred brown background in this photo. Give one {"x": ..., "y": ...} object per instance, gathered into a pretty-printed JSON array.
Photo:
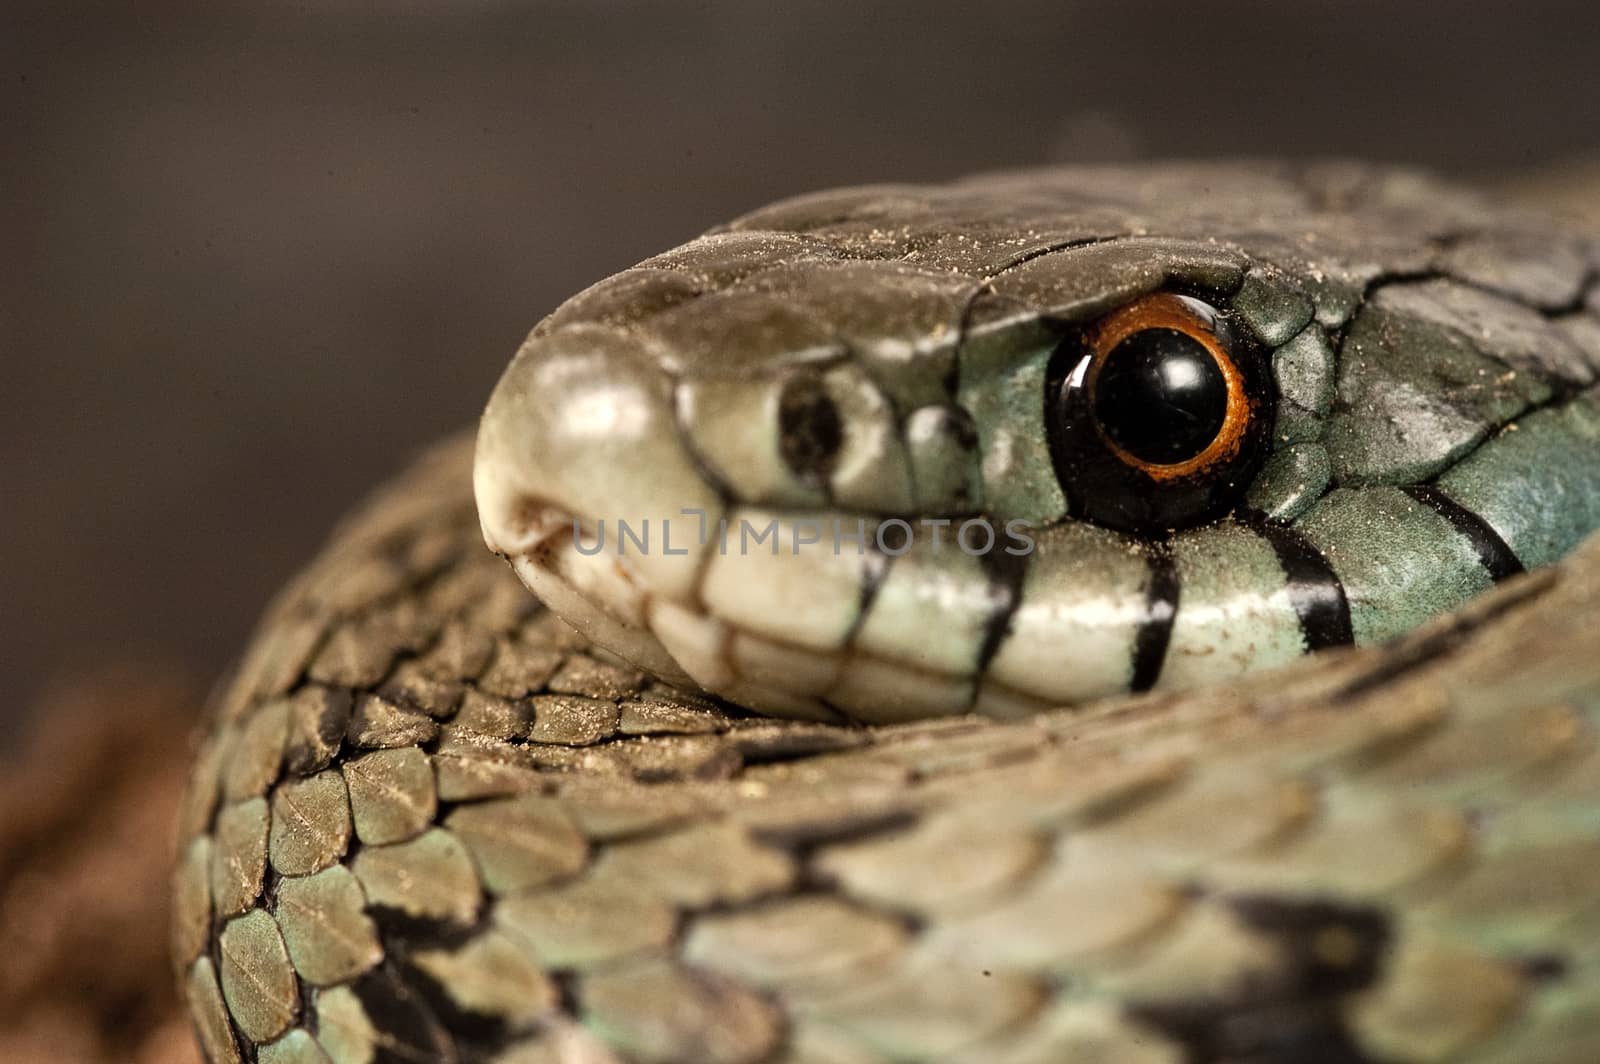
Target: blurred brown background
[{"x": 252, "y": 258}]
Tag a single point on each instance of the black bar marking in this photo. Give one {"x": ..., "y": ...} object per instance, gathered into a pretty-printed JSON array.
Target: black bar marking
[
  {"x": 1498, "y": 558},
  {"x": 1160, "y": 610},
  {"x": 1295, "y": 1017},
  {"x": 874, "y": 573},
  {"x": 1005, "y": 572},
  {"x": 1315, "y": 590}
]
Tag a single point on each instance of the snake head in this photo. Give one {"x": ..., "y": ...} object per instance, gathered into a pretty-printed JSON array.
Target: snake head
[{"x": 1024, "y": 441}]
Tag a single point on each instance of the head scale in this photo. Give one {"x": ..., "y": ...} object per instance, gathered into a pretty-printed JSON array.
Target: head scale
[{"x": 1037, "y": 439}]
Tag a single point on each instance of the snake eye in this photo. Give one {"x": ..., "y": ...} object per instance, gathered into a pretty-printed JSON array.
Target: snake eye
[{"x": 1157, "y": 415}]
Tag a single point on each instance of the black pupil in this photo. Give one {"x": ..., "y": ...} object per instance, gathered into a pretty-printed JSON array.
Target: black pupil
[{"x": 1161, "y": 397}]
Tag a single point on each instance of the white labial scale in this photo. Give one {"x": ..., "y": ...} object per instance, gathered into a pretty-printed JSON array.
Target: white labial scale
[
  {"x": 771, "y": 678},
  {"x": 697, "y": 643},
  {"x": 917, "y": 650},
  {"x": 999, "y": 703},
  {"x": 595, "y": 621},
  {"x": 596, "y": 571},
  {"x": 1234, "y": 613},
  {"x": 933, "y": 607},
  {"x": 881, "y": 692},
  {"x": 776, "y": 665},
  {"x": 803, "y": 595},
  {"x": 1083, "y": 597},
  {"x": 778, "y": 702}
]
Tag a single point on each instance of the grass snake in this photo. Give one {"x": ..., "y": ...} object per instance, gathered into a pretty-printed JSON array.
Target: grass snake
[{"x": 943, "y": 690}]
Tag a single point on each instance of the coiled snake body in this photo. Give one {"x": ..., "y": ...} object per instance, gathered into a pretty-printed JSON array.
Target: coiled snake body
[{"x": 903, "y": 799}]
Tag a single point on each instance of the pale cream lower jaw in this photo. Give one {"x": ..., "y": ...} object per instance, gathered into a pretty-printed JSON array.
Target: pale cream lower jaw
[
  {"x": 597, "y": 624},
  {"x": 678, "y": 645},
  {"x": 605, "y": 602}
]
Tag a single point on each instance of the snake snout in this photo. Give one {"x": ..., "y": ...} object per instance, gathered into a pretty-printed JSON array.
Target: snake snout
[
  {"x": 754, "y": 579},
  {"x": 580, "y": 431},
  {"x": 578, "y": 443}
]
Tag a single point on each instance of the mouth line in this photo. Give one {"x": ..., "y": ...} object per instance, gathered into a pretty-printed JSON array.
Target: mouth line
[
  {"x": 523, "y": 531},
  {"x": 690, "y": 645}
]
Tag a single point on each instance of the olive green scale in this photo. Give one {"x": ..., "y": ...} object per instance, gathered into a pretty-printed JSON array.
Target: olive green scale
[
  {"x": 430, "y": 822},
  {"x": 1391, "y": 846}
]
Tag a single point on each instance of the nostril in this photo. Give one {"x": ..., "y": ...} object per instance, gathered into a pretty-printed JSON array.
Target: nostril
[
  {"x": 810, "y": 431},
  {"x": 526, "y": 523}
]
